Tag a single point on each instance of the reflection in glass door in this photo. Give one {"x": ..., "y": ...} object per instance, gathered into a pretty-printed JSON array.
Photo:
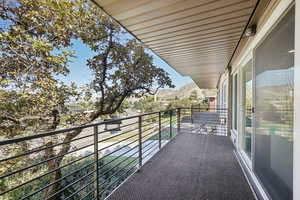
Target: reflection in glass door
[{"x": 247, "y": 109}]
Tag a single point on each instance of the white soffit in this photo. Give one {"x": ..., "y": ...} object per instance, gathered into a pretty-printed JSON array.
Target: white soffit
[{"x": 195, "y": 37}]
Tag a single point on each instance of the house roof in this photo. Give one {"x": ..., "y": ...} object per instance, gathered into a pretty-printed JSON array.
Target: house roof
[{"x": 196, "y": 37}]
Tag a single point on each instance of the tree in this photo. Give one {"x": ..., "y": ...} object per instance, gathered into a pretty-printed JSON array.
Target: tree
[{"x": 34, "y": 52}]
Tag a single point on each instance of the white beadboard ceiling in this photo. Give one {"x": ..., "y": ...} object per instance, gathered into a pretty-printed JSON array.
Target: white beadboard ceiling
[{"x": 195, "y": 37}]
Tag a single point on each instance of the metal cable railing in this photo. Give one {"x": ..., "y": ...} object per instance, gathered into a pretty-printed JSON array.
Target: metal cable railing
[
  {"x": 99, "y": 159},
  {"x": 95, "y": 162}
]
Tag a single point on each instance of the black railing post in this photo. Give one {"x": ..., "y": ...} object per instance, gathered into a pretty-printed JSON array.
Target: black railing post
[
  {"x": 140, "y": 142},
  {"x": 159, "y": 130},
  {"x": 178, "y": 120},
  {"x": 171, "y": 112},
  {"x": 96, "y": 157}
]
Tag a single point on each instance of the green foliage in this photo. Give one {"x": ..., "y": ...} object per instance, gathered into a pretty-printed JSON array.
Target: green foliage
[
  {"x": 124, "y": 106},
  {"x": 147, "y": 105},
  {"x": 184, "y": 103},
  {"x": 33, "y": 53},
  {"x": 107, "y": 164}
]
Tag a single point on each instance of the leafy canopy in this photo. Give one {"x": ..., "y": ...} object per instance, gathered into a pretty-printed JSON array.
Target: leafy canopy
[{"x": 35, "y": 50}]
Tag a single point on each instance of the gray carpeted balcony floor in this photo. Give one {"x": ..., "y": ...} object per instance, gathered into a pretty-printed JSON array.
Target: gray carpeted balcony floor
[{"x": 191, "y": 167}]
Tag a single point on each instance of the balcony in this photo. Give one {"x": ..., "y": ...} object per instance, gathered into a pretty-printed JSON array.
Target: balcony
[
  {"x": 192, "y": 166},
  {"x": 245, "y": 48},
  {"x": 182, "y": 153}
]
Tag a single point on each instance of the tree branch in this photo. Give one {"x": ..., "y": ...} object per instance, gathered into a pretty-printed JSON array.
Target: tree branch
[{"x": 104, "y": 71}]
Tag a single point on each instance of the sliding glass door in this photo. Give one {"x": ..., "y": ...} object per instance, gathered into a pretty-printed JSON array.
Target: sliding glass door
[{"x": 274, "y": 84}]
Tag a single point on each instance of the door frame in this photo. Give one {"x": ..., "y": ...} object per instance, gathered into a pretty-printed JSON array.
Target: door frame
[{"x": 240, "y": 109}]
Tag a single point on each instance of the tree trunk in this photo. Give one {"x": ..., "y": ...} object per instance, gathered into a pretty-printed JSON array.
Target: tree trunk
[
  {"x": 53, "y": 164},
  {"x": 50, "y": 191}
]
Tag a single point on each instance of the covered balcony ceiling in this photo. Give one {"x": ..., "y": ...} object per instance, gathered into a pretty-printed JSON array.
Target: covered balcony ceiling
[{"x": 196, "y": 37}]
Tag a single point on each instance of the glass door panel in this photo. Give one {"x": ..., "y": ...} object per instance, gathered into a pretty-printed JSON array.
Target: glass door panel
[
  {"x": 247, "y": 109},
  {"x": 274, "y": 100}
]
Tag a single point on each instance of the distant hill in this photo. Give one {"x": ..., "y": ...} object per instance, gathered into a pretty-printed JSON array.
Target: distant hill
[{"x": 185, "y": 92}]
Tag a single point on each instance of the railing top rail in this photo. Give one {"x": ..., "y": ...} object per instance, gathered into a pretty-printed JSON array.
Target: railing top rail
[{"x": 64, "y": 130}]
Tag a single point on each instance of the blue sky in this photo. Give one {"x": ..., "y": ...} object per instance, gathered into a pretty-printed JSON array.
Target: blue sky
[{"x": 80, "y": 73}]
